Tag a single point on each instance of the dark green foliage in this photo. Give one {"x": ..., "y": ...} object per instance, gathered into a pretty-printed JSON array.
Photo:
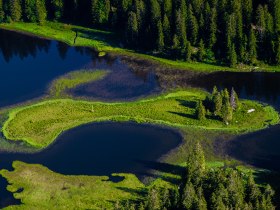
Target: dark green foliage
[
  {"x": 132, "y": 29},
  {"x": 30, "y": 10},
  {"x": 58, "y": 9},
  {"x": 201, "y": 51},
  {"x": 235, "y": 31},
  {"x": 212, "y": 188},
  {"x": 41, "y": 12},
  {"x": 100, "y": 11},
  {"x": 15, "y": 10},
  {"x": 234, "y": 101},
  {"x": 188, "y": 51},
  {"x": 2, "y": 14},
  {"x": 200, "y": 111}
]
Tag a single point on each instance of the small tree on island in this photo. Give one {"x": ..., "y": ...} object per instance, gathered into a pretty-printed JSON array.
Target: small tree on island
[
  {"x": 216, "y": 101},
  {"x": 227, "y": 112},
  {"x": 200, "y": 111},
  {"x": 234, "y": 101}
]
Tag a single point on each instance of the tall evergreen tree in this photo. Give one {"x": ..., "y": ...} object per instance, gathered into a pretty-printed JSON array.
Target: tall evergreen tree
[
  {"x": 2, "y": 14},
  {"x": 58, "y": 9},
  {"x": 160, "y": 36},
  {"x": 212, "y": 29},
  {"x": 15, "y": 10},
  {"x": 132, "y": 29},
  {"x": 200, "y": 111},
  {"x": 192, "y": 26},
  {"x": 252, "y": 47},
  {"x": 232, "y": 56},
  {"x": 41, "y": 11},
  {"x": 30, "y": 10},
  {"x": 188, "y": 51},
  {"x": 100, "y": 11},
  {"x": 201, "y": 51},
  {"x": 166, "y": 30}
]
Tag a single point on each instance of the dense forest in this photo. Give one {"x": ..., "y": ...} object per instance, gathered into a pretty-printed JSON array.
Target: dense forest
[
  {"x": 225, "y": 31},
  {"x": 204, "y": 188}
]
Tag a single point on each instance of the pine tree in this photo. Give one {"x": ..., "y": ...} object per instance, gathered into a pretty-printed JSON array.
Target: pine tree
[
  {"x": 276, "y": 15},
  {"x": 16, "y": 10},
  {"x": 192, "y": 26},
  {"x": 189, "y": 196},
  {"x": 234, "y": 101},
  {"x": 188, "y": 51},
  {"x": 252, "y": 47},
  {"x": 277, "y": 54},
  {"x": 200, "y": 111},
  {"x": 212, "y": 29},
  {"x": 100, "y": 11},
  {"x": 41, "y": 11},
  {"x": 232, "y": 56},
  {"x": 167, "y": 8},
  {"x": 30, "y": 10},
  {"x": 132, "y": 29},
  {"x": 217, "y": 100},
  {"x": 153, "y": 202},
  {"x": 2, "y": 14},
  {"x": 160, "y": 37},
  {"x": 201, "y": 51},
  {"x": 181, "y": 30},
  {"x": 166, "y": 30},
  {"x": 58, "y": 9}
]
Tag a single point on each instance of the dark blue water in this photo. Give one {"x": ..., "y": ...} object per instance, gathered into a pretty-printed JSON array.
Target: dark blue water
[
  {"x": 100, "y": 149},
  {"x": 29, "y": 64}
]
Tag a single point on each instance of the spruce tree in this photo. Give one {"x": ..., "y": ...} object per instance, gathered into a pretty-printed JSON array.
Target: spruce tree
[
  {"x": 15, "y": 10},
  {"x": 234, "y": 101},
  {"x": 232, "y": 56},
  {"x": 201, "y": 51},
  {"x": 276, "y": 15},
  {"x": 277, "y": 53},
  {"x": 252, "y": 47},
  {"x": 188, "y": 51},
  {"x": 192, "y": 26},
  {"x": 212, "y": 29},
  {"x": 30, "y": 10},
  {"x": 166, "y": 30},
  {"x": 100, "y": 11},
  {"x": 217, "y": 100},
  {"x": 2, "y": 14},
  {"x": 132, "y": 29},
  {"x": 160, "y": 37},
  {"x": 58, "y": 9},
  {"x": 41, "y": 11},
  {"x": 200, "y": 111}
]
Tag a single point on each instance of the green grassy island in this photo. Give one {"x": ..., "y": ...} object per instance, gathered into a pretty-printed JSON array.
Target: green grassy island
[{"x": 39, "y": 124}]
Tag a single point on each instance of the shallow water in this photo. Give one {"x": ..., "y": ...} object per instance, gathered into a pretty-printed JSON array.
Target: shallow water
[
  {"x": 100, "y": 149},
  {"x": 28, "y": 64}
]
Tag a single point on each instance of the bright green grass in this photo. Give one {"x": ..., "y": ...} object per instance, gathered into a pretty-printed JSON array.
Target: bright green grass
[
  {"x": 44, "y": 189},
  {"x": 41, "y": 123},
  {"x": 107, "y": 42},
  {"x": 73, "y": 79}
]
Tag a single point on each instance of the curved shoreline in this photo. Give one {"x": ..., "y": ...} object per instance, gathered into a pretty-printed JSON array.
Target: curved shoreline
[{"x": 103, "y": 45}]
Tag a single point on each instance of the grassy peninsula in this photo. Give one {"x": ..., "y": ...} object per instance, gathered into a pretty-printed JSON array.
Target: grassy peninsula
[{"x": 39, "y": 124}]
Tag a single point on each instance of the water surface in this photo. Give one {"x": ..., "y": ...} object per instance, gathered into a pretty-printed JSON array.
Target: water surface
[{"x": 28, "y": 64}]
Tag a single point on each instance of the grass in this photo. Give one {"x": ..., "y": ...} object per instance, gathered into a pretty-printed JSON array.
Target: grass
[
  {"x": 73, "y": 79},
  {"x": 44, "y": 189},
  {"x": 40, "y": 124},
  {"x": 108, "y": 42}
]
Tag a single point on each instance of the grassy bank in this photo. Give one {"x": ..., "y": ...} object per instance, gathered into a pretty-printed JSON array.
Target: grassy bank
[
  {"x": 41, "y": 123},
  {"x": 44, "y": 189},
  {"x": 59, "y": 86},
  {"x": 107, "y": 41}
]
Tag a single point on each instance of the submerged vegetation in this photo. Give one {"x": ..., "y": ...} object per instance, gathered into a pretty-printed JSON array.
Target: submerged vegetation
[
  {"x": 41, "y": 123},
  {"x": 59, "y": 86}
]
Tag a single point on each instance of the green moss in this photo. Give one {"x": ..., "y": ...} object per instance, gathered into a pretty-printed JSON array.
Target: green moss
[
  {"x": 73, "y": 79},
  {"x": 41, "y": 123},
  {"x": 104, "y": 41},
  {"x": 44, "y": 189}
]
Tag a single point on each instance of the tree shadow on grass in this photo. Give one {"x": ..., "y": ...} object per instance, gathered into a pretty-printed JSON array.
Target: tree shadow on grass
[
  {"x": 107, "y": 38},
  {"x": 189, "y": 104},
  {"x": 184, "y": 114}
]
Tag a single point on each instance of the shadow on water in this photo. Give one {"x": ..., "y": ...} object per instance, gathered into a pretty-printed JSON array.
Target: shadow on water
[
  {"x": 103, "y": 149},
  {"x": 29, "y": 64}
]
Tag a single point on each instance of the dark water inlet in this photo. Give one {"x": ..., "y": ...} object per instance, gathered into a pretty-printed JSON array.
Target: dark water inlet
[
  {"x": 28, "y": 64},
  {"x": 101, "y": 149}
]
